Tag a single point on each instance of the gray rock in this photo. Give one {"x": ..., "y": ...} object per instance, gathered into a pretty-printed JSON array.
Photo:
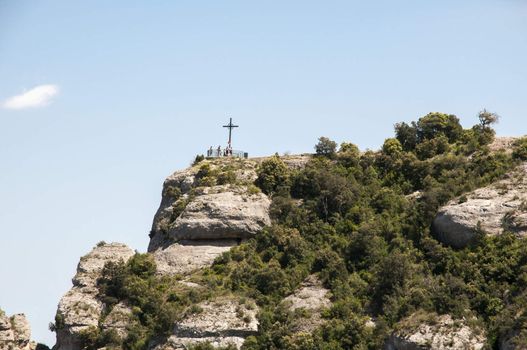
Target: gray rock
[
  {"x": 79, "y": 309},
  {"x": 224, "y": 215},
  {"x": 118, "y": 319},
  {"x": 495, "y": 208},
  {"x": 15, "y": 333},
  {"x": 311, "y": 297},
  {"x": 187, "y": 256},
  {"x": 502, "y": 144},
  {"x": 435, "y": 333},
  {"x": 220, "y": 322},
  {"x": 190, "y": 210}
]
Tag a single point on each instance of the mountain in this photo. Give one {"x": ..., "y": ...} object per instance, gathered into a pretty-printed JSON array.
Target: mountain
[{"x": 418, "y": 245}]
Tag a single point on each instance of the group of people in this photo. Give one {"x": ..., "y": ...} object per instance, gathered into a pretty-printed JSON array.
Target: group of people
[{"x": 219, "y": 152}]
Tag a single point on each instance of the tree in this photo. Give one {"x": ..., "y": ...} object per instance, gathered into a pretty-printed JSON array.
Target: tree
[
  {"x": 435, "y": 124},
  {"x": 487, "y": 118},
  {"x": 348, "y": 154},
  {"x": 326, "y": 147},
  {"x": 407, "y": 135},
  {"x": 392, "y": 147}
]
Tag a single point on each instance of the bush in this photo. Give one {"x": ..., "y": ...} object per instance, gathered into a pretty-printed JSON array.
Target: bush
[
  {"x": 273, "y": 176},
  {"x": 198, "y": 159},
  {"x": 519, "y": 150}
]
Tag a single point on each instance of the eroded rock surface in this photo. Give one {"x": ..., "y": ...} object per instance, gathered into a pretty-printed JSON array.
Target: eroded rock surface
[
  {"x": 222, "y": 215},
  {"x": 220, "y": 322},
  {"x": 118, "y": 319},
  {"x": 79, "y": 308},
  {"x": 194, "y": 206},
  {"x": 435, "y": 333},
  {"x": 185, "y": 257},
  {"x": 15, "y": 333},
  {"x": 495, "y": 208},
  {"x": 312, "y": 298}
]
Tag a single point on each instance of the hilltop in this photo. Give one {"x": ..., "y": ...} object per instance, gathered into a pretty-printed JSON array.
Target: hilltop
[{"x": 416, "y": 245}]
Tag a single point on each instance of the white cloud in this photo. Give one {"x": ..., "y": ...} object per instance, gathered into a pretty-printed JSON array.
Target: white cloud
[{"x": 36, "y": 97}]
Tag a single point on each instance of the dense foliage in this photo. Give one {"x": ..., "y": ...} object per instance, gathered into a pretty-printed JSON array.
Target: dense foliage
[{"x": 361, "y": 221}]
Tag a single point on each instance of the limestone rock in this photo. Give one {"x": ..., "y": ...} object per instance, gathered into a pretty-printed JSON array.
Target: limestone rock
[
  {"x": 435, "y": 333},
  {"x": 194, "y": 209},
  {"x": 499, "y": 206},
  {"x": 220, "y": 322},
  {"x": 502, "y": 144},
  {"x": 311, "y": 297},
  {"x": 79, "y": 308},
  {"x": 118, "y": 319},
  {"x": 185, "y": 257},
  {"x": 15, "y": 333},
  {"x": 224, "y": 215}
]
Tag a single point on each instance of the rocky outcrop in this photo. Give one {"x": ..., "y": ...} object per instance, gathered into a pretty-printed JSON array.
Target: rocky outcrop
[
  {"x": 205, "y": 210},
  {"x": 118, "y": 320},
  {"x": 222, "y": 214},
  {"x": 221, "y": 322},
  {"x": 15, "y": 333},
  {"x": 492, "y": 209},
  {"x": 421, "y": 331},
  {"x": 502, "y": 144},
  {"x": 195, "y": 207},
  {"x": 311, "y": 298},
  {"x": 80, "y": 308},
  {"x": 186, "y": 256}
]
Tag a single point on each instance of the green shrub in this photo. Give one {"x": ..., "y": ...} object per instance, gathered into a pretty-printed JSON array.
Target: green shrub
[
  {"x": 273, "y": 176},
  {"x": 519, "y": 150},
  {"x": 199, "y": 158}
]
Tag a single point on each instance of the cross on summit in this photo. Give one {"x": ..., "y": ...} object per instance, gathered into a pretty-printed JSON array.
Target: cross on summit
[
  {"x": 227, "y": 151},
  {"x": 230, "y": 126}
]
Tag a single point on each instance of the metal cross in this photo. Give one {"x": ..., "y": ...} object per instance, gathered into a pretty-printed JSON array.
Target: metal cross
[{"x": 230, "y": 126}]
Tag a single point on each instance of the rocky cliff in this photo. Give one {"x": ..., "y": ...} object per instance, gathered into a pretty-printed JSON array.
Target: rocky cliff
[
  {"x": 205, "y": 210},
  {"x": 80, "y": 308},
  {"x": 15, "y": 333}
]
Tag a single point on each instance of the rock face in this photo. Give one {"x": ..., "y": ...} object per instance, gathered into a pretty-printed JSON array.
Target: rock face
[
  {"x": 79, "y": 308},
  {"x": 201, "y": 216},
  {"x": 495, "y": 208},
  {"x": 435, "y": 333},
  {"x": 502, "y": 144},
  {"x": 185, "y": 256},
  {"x": 222, "y": 215},
  {"x": 220, "y": 322},
  {"x": 311, "y": 297},
  {"x": 118, "y": 319},
  {"x": 205, "y": 210},
  {"x": 15, "y": 333},
  {"x": 194, "y": 209}
]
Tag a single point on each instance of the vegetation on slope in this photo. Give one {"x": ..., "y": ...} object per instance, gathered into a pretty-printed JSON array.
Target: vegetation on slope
[{"x": 362, "y": 222}]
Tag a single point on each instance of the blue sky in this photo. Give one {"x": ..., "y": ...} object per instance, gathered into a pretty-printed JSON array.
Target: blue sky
[{"x": 129, "y": 91}]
